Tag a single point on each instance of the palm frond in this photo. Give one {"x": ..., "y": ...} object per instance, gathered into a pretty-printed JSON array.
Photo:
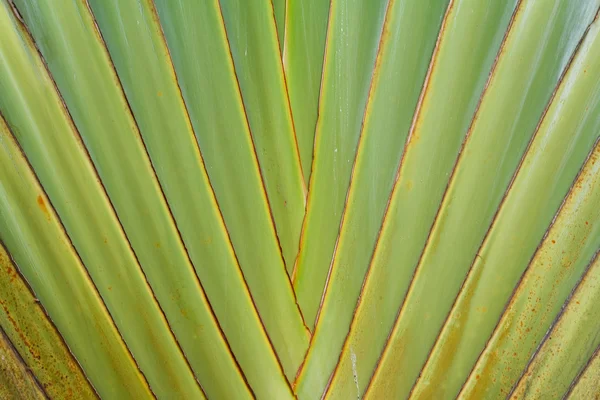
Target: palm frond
[{"x": 310, "y": 199}]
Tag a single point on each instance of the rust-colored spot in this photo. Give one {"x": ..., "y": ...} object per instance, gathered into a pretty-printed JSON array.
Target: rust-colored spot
[
  {"x": 42, "y": 205},
  {"x": 12, "y": 274},
  {"x": 554, "y": 242},
  {"x": 159, "y": 93}
]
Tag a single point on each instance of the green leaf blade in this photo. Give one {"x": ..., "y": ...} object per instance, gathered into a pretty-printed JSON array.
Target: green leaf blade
[
  {"x": 134, "y": 39},
  {"x": 253, "y": 43},
  {"x": 37, "y": 242},
  {"x": 196, "y": 38},
  {"x": 401, "y": 68},
  {"x": 353, "y": 35},
  {"x": 548, "y": 169}
]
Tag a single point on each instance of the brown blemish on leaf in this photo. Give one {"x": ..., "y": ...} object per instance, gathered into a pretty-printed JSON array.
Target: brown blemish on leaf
[{"x": 42, "y": 205}]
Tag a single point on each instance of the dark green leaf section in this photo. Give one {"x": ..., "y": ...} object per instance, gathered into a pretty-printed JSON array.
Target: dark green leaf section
[
  {"x": 16, "y": 381},
  {"x": 44, "y": 131},
  {"x": 306, "y": 28},
  {"x": 401, "y": 68},
  {"x": 568, "y": 248},
  {"x": 253, "y": 43},
  {"x": 36, "y": 339},
  {"x": 197, "y": 42},
  {"x": 567, "y": 132},
  {"x": 568, "y": 346},
  {"x": 138, "y": 50},
  {"x": 36, "y": 240},
  {"x": 353, "y": 37}
]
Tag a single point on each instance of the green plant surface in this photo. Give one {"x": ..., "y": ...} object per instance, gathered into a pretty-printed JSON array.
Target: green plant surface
[
  {"x": 546, "y": 172},
  {"x": 400, "y": 69},
  {"x": 567, "y": 347},
  {"x": 153, "y": 237},
  {"x": 475, "y": 191},
  {"x": 45, "y": 256},
  {"x": 36, "y": 339},
  {"x": 16, "y": 382},
  {"x": 305, "y": 32},
  {"x": 414, "y": 190},
  {"x": 196, "y": 38},
  {"x": 259, "y": 71},
  {"x": 353, "y": 33},
  {"x": 299, "y": 199},
  {"x": 150, "y": 84},
  {"x": 560, "y": 261}
]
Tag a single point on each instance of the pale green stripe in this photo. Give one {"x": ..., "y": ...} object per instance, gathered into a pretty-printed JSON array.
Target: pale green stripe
[
  {"x": 306, "y": 28},
  {"x": 278, "y": 11}
]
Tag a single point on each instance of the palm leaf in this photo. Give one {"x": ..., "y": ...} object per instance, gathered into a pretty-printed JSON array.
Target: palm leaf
[{"x": 310, "y": 199}]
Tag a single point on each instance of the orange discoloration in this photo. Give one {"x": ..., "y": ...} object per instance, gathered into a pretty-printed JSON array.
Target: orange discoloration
[{"x": 42, "y": 205}]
